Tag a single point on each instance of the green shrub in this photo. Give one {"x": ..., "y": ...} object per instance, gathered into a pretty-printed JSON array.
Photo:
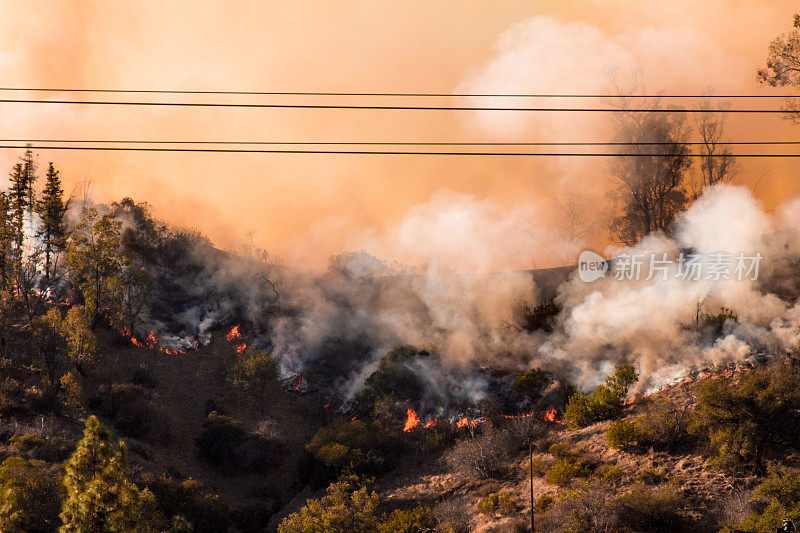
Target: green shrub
[
  {"x": 396, "y": 379},
  {"x": 663, "y": 426},
  {"x": 776, "y": 498},
  {"x": 413, "y": 521},
  {"x": 579, "y": 411},
  {"x": 30, "y": 496},
  {"x": 348, "y": 447},
  {"x": 565, "y": 470},
  {"x": 439, "y": 440},
  {"x": 72, "y": 390},
  {"x": 253, "y": 377},
  {"x": 224, "y": 443},
  {"x": 341, "y": 510},
  {"x": 605, "y": 403},
  {"x": 35, "y": 446},
  {"x": 543, "y": 503},
  {"x": 498, "y": 502},
  {"x": 653, "y": 476},
  {"x": 650, "y": 509},
  {"x": 204, "y": 510},
  {"x": 744, "y": 419},
  {"x": 531, "y": 383},
  {"x": 612, "y": 474},
  {"x": 540, "y": 466},
  {"x": 347, "y": 508},
  {"x": 559, "y": 450},
  {"x": 624, "y": 435}
]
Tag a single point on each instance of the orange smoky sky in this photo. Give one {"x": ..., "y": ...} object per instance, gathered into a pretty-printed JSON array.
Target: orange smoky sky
[{"x": 477, "y": 212}]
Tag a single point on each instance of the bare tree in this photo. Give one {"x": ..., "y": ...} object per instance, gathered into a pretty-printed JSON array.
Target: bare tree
[
  {"x": 783, "y": 67},
  {"x": 650, "y": 191},
  {"x": 717, "y": 165},
  {"x": 650, "y": 187},
  {"x": 574, "y": 222}
]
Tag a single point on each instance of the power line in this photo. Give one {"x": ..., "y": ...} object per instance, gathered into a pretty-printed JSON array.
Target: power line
[
  {"x": 405, "y": 143},
  {"x": 391, "y": 107},
  {"x": 398, "y": 94},
  {"x": 387, "y": 152}
]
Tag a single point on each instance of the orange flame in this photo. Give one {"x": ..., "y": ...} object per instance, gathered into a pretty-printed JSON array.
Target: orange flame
[
  {"x": 526, "y": 415},
  {"x": 552, "y": 416},
  {"x": 240, "y": 349},
  {"x": 431, "y": 423},
  {"x": 466, "y": 422},
  {"x": 151, "y": 342},
  {"x": 233, "y": 333},
  {"x": 412, "y": 420},
  {"x": 630, "y": 400}
]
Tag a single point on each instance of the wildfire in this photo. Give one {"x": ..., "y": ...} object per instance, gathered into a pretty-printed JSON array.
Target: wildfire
[
  {"x": 630, "y": 400},
  {"x": 431, "y": 423},
  {"x": 412, "y": 420},
  {"x": 233, "y": 336},
  {"x": 552, "y": 416},
  {"x": 233, "y": 333},
  {"x": 152, "y": 342},
  {"x": 467, "y": 423},
  {"x": 526, "y": 415}
]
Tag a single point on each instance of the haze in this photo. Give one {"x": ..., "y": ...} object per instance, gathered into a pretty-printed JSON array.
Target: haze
[{"x": 414, "y": 209}]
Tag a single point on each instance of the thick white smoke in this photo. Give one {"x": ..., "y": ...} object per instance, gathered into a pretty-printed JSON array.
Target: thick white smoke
[
  {"x": 346, "y": 321},
  {"x": 654, "y": 321}
]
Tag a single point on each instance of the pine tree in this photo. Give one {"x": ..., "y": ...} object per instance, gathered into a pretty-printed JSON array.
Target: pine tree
[
  {"x": 29, "y": 171},
  {"x": 18, "y": 206},
  {"x": 100, "y": 495},
  {"x": 6, "y": 238},
  {"x": 51, "y": 209}
]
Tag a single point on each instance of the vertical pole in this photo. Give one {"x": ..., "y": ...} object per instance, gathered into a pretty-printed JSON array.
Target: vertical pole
[{"x": 530, "y": 454}]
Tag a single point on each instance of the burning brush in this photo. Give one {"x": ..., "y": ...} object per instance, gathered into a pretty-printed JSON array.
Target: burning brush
[{"x": 234, "y": 336}]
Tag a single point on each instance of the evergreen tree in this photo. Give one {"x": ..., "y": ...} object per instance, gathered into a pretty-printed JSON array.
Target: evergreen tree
[
  {"x": 18, "y": 206},
  {"x": 22, "y": 202},
  {"x": 51, "y": 209},
  {"x": 6, "y": 239},
  {"x": 100, "y": 495},
  {"x": 29, "y": 171}
]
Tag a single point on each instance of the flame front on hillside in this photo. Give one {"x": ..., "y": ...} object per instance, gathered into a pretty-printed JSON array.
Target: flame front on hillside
[
  {"x": 467, "y": 423},
  {"x": 412, "y": 420},
  {"x": 552, "y": 416},
  {"x": 152, "y": 342},
  {"x": 234, "y": 336},
  {"x": 233, "y": 333}
]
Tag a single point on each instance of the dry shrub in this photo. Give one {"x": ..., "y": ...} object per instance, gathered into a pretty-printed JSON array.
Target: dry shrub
[
  {"x": 452, "y": 516},
  {"x": 483, "y": 454}
]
